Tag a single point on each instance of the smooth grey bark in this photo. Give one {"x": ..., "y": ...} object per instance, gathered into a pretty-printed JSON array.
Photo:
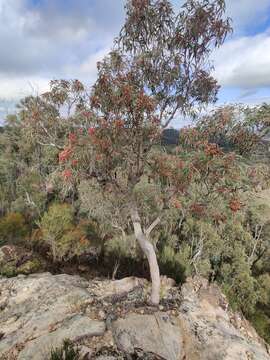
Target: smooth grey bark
[{"x": 149, "y": 251}]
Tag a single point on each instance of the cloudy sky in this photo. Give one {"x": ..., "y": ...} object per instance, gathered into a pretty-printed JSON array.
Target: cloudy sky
[{"x": 50, "y": 39}]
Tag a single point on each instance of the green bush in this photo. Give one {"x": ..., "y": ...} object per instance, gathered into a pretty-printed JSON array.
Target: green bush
[
  {"x": 55, "y": 223},
  {"x": 261, "y": 322},
  {"x": 30, "y": 267},
  {"x": 173, "y": 264},
  {"x": 122, "y": 247},
  {"x": 80, "y": 239},
  {"x": 8, "y": 270},
  {"x": 13, "y": 229},
  {"x": 65, "y": 238}
]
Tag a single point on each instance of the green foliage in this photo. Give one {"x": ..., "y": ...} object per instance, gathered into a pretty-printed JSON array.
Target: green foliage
[
  {"x": 174, "y": 264},
  {"x": 54, "y": 224},
  {"x": 11, "y": 269},
  {"x": 264, "y": 283},
  {"x": 80, "y": 240},
  {"x": 122, "y": 247},
  {"x": 68, "y": 351},
  {"x": 261, "y": 322},
  {"x": 13, "y": 229},
  {"x": 30, "y": 267},
  {"x": 31, "y": 196},
  {"x": 64, "y": 237},
  {"x": 8, "y": 270}
]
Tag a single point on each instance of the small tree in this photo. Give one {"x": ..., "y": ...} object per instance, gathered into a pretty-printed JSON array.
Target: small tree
[{"x": 159, "y": 68}]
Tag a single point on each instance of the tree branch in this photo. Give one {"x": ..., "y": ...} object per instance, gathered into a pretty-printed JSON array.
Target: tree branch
[{"x": 152, "y": 226}]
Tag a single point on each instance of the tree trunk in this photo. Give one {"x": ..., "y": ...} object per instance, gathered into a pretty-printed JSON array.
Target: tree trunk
[{"x": 149, "y": 252}]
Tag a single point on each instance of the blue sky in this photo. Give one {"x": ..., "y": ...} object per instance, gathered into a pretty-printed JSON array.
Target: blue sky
[{"x": 51, "y": 39}]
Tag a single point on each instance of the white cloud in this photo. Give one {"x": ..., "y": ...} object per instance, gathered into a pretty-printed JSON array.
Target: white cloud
[
  {"x": 16, "y": 88},
  {"x": 65, "y": 39},
  {"x": 244, "y": 62},
  {"x": 247, "y": 14}
]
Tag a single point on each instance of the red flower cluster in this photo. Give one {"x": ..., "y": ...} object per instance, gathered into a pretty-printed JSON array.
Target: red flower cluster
[
  {"x": 235, "y": 205},
  {"x": 144, "y": 102},
  {"x": 72, "y": 137},
  {"x": 212, "y": 149},
  {"x": 65, "y": 154},
  {"x": 91, "y": 131},
  {"x": 67, "y": 174}
]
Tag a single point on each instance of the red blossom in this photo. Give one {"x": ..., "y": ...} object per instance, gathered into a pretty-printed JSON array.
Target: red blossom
[
  {"x": 91, "y": 131},
  {"x": 235, "y": 205},
  {"x": 212, "y": 150},
  {"x": 65, "y": 154},
  {"x": 67, "y": 174},
  {"x": 72, "y": 137},
  {"x": 74, "y": 162}
]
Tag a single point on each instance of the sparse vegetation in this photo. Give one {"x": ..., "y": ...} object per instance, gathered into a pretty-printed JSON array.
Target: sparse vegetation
[{"x": 68, "y": 351}]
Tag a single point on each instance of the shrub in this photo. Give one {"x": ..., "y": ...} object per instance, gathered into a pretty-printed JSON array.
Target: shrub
[
  {"x": 64, "y": 237},
  {"x": 55, "y": 223},
  {"x": 261, "y": 322},
  {"x": 8, "y": 270},
  {"x": 122, "y": 247},
  {"x": 173, "y": 264},
  {"x": 30, "y": 267},
  {"x": 66, "y": 245},
  {"x": 238, "y": 283},
  {"x": 13, "y": 229}
]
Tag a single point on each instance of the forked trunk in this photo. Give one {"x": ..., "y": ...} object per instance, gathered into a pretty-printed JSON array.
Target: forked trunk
[{"x": 149, "y": 252}]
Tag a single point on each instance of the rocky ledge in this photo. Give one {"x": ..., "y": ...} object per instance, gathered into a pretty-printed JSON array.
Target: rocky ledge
[{"x": 111, "y": 320}]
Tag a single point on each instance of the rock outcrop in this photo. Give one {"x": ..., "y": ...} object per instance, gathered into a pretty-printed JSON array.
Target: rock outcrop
[{"x": 111, "y": 320}]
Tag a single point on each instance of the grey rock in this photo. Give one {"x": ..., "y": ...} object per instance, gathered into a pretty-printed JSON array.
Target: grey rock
[
  {"x": 209, "y": 329},
  {"x": 42, "y": 308},
  {"x": 74, "y": 329},
  {"x": 151, "y": 333}
]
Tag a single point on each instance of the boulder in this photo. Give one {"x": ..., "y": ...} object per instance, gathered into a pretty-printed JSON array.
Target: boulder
[
  {"x": 209, "y": 328},
  {"x": 74, "y": 329},
  {"x": 158, "y": 334},
  {"x": 39, "y": 311}
]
